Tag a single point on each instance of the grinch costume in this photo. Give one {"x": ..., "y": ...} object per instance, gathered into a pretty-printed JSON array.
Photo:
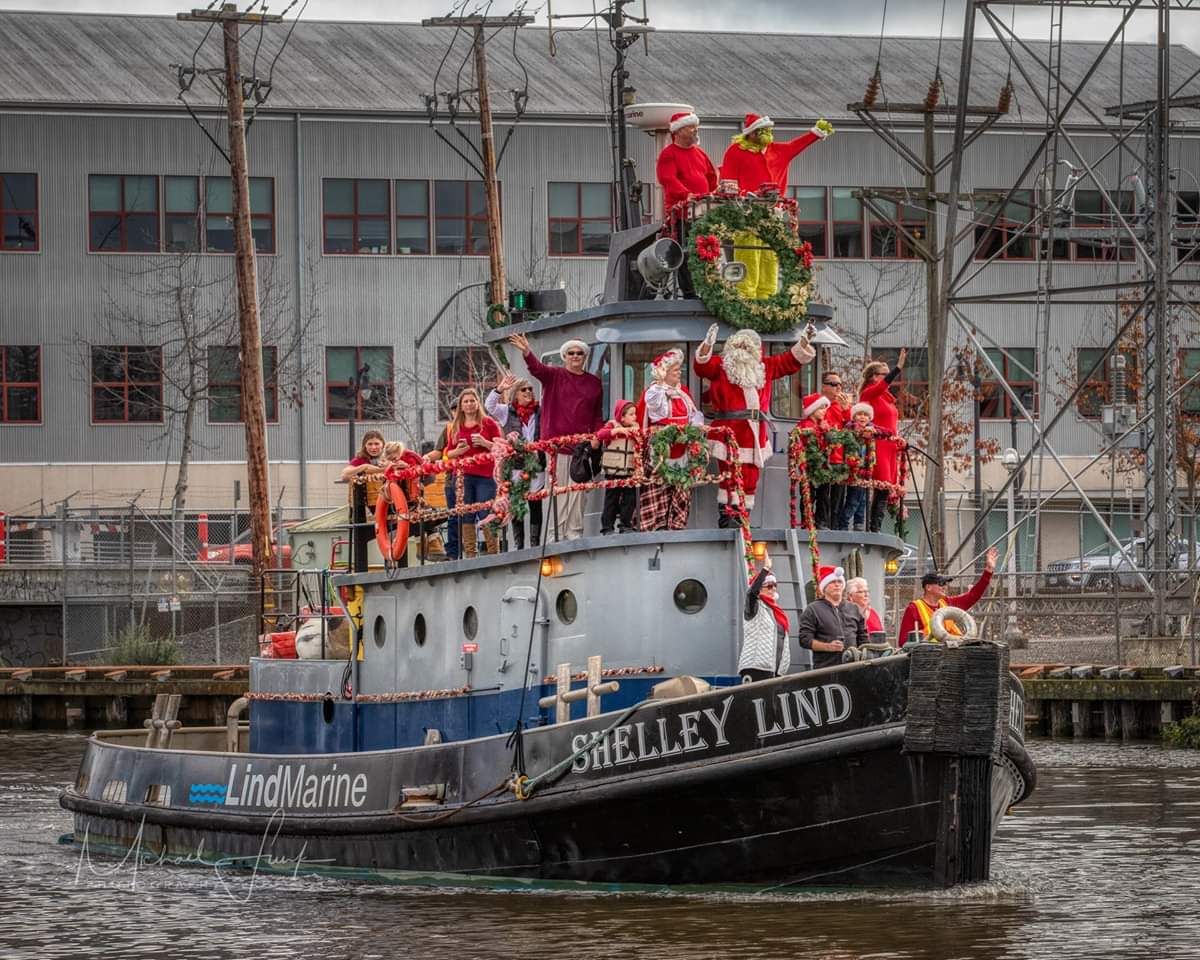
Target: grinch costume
[
  {"x": 739, "y": 393},
  {"x": 757, "y": 162}
]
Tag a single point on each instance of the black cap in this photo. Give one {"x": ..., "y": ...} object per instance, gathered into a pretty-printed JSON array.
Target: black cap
[{"x": 932, "y": 578}]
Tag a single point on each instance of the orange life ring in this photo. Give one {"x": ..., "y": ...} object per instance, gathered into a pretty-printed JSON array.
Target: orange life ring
[{"x": 392, "y": 498}]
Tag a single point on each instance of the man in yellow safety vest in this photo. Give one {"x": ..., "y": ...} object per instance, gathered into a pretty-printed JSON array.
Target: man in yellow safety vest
[{"x": 918, "y": 615}]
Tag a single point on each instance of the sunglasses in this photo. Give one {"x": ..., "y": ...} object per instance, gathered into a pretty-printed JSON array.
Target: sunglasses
[
  {"x": 576, "y": 353},
  {"x": 833, "y": 383},
  {"x": 525, "y": 390}
]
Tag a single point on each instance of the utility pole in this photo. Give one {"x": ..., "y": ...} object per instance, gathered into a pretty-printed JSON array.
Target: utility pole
[
  {"x": 498, "y": 293},
  {"x": 246, "y": 272}
]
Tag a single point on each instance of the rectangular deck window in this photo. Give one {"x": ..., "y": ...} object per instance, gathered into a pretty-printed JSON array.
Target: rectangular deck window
[
  {"x": 580, "y": 219},
  {"x": 358, "y": 383},
  {"x": 225, "y": 384},
  {"x": 123, "y": 214},
  {"x": 19, "y": 212},
  {"x": 127, "y": 384},
  {"x": 20, "y": 384}
]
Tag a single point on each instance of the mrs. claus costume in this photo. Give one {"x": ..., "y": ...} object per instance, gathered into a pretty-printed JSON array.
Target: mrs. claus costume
[
  {"x": 661, "y": 506},
  {"x": 876, "y": 391},
  {"x": 740, "y": 395}
]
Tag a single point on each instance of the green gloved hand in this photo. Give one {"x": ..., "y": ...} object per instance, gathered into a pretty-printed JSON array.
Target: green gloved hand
[{"x": 823, "y": 128}]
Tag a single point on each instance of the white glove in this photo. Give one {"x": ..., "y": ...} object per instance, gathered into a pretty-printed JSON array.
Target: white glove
[
  {"x": 802, "y": 351},
  {"x": 704, "y": 351}
]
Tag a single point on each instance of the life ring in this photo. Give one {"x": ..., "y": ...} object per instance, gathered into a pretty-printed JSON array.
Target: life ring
[
  {"x": 952, "y": 625},
  {"x": 392, "y": 498}
]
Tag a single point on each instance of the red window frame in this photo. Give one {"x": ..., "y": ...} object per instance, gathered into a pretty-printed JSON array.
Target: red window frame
[
  {"x": 123, "y": 215},
  {"x": 194, "y": 214},
  {"x": 397, "y": 216},
  {"x": 355, "y": 218},
  {"x": 127, "y": 385},
  {"x": 481, "y": 371},
  {"x": 270, "y": 385},
  {"x": 994, "y": 401},
  {"x": 912, "y": 394},
  {"x": 821, "y": 246},
  {"x": 6, "y": 384},
  {"x": 467, "y": 220},
  {"x": 371, "y": 384},
  {"x": 579, "y": 220},
  {"x": 903, "y": 250},
  {"x": 1097, "y": 392},
  {"x": 1108, "y": 223},
  {"x": 1005, "y": 226},
  {"x": 834, "y": 224},
  {"x": 257, "y": 219},
  {"x": 32, "y": 215}
]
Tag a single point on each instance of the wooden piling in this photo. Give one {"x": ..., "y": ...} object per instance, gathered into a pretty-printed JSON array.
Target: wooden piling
[
  {"x": 1081, "y": 718},
  {"x": 1060, "y": 718},
  {"x": 1112, "y": 720},
  {"x": 116, "y": 713},
  {"x": 1132, "y": 727}
]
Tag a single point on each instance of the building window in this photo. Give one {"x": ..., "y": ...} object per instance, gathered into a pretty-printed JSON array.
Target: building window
[
  {"x": 373, "y": 398},
  {"x": 1019, "y": 369},
  {"x": 18, "y": 212},
  {"x": 412, "y": 216},
  {"x": 123, "y": 214},
  {"x": 1189, "y": 397},
  {"x": 1187, "y": 226},
  {"x": 459, "y": 368},
  {"x": 181, "y": 214},
  {"x": 460, "y": 217},
  {"x": 356, "y": 216},
  {"x": 1005, "y": 240},
  {"x": 1092, "y": 212},
  {"x": 127, "y": 385},
  {"x": 1098, "y": 391},
  {"x": 811, "y": 217},
  {"x": 20, "y": 384},
  {"x": 225, "y": 384},
  {"x": 846, "y": 228},
  {"x": 887, "y": 242},
  {"x": 911, "y": 388},
  {"x": 580, "y": 219},
  {"x": 218, "y": 214}
]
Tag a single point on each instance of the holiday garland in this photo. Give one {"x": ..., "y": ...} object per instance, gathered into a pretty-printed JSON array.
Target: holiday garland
[
  {"x": 682, "y": 476},
  {"x": 783, "y": 310},
  {"x": 517, "y": 465}
]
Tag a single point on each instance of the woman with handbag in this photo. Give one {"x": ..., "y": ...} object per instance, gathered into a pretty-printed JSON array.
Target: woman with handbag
[{"x": 667, "y": 402}]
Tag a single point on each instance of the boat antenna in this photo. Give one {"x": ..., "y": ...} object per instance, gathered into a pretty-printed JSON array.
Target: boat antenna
[{"x": 624, "y": 30}]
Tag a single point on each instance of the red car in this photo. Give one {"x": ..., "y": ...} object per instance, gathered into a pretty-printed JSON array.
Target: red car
[{"x": 240, "y": 550}]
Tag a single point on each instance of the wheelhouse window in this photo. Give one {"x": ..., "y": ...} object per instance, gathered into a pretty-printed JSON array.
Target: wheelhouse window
[
  {"x": 787, "y": 393},
  {"x": 225, "y": 384},
  {"x": 19, "y": 212},
  {"x": 218, "y": 210},
  {"x": 580, "y": 219},
  {"x": 20, "y": 384},
  {"x": 811, "y": 217},
  {"x": 846, "y": 227},
  {"x": 123, "y": 213},
  {"x": 412, "y": 216},
  {"x": 1007, "y": 239},
  {"x": 358, "y": 383},
  {"x": 460, "y": 217},
  {"x": 356, "y": 216},
  {"x": 911, "y": 388},
  {"x": 127, "y": 384},
  {"x": 635, "y": 368},
  {"x": 459, "y": 368},
  {"x": 1098, "y": 391},
  {"x": 1018, "y": 365}
]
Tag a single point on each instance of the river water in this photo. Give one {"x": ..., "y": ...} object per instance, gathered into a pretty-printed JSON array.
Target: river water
[{"x": 1100, "y": 862}]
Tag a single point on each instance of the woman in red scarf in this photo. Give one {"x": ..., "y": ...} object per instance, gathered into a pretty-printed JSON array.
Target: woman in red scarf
[
  {"x": 766, "y": 643},
  {"x": 876, "y": 390},
  {"x": 513, "y": 405}
]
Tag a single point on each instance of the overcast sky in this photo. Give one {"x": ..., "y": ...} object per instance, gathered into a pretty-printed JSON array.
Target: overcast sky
[{"x": 904, "y": 17}]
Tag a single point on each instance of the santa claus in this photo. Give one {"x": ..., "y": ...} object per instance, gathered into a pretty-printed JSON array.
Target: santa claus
[{"x": 740, "y": 395}]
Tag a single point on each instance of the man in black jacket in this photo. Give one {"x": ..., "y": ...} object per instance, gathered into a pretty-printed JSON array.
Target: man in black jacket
[{"x": 827, "y": 626}]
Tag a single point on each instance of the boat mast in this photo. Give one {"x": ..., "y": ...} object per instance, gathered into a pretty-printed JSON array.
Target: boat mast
[{"x": 629, "y": 190}]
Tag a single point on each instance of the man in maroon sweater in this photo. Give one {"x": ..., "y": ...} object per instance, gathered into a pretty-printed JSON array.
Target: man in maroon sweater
[
  {"x": 684, "y": 169},
  {"x": 572, "y": 402},
  {"x": 919, "y": 614}
]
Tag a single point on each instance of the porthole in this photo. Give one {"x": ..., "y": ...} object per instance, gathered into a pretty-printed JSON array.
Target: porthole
[
  {"x": 419, "y": 630},
  {"x": 690, "y": 596},
  {"x": 379, "y": 632},
  {"x": 566, "y": 607},
  {"x": 470, "y": 623}
]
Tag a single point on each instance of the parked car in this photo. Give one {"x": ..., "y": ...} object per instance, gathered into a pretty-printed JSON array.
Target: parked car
[
  {"x": 1097, "y": 569},
  {"x": 241, "y": 551}
]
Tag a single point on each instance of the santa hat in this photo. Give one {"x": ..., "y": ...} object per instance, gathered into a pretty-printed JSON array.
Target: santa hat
[
  {"x": 861, "y": 407},
  {"x": 664, "y": 362},
  {"x": 815, "y": 407},
  {"x": 681, "y": 120},
  {"x": 573, "y": 345},
  {"x": 770, "y": 580},
  {"x": 754, "y": 122},
  {"x": 828, "y": 575}
]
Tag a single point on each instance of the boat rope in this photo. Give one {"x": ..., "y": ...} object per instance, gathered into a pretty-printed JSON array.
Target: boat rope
[
  {"x": 443, "y": 817},
  {"x": 523, "y": 786}
]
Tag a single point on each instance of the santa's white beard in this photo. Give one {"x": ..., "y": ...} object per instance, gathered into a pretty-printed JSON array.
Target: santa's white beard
[{"x": 744, "y": 368}]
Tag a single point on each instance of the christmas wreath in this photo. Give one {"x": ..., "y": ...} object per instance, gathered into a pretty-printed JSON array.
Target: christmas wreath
[
  {"x": 517, "y": 471},
  {"x": 783, "y": 311},
  {"x": 682, "y": 475}
]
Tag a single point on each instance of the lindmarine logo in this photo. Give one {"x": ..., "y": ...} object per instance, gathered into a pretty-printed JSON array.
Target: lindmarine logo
[{"x": 284, "y": 787}]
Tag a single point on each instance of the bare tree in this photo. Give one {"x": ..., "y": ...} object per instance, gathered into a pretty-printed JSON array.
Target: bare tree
[{"x": 889, "y": 299}]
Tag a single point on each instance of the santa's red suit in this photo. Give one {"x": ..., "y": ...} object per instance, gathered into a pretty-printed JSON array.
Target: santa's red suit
[{"x": 744, "y": 392}]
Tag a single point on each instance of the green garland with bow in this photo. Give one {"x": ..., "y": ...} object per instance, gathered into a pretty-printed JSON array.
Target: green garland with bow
[
  {"x": 782, "y": 311},
  {"x": 681, "y": 475},
  {"x": 518, "y": 471}
]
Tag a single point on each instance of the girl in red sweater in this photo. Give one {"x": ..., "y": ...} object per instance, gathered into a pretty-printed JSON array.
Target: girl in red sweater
[{"x": 469, "y": 434}]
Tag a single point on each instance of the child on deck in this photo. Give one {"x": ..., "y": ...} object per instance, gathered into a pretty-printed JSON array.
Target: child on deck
[
  {"x": 620, "y": 437},
  {"x": 814, "y": 419},
  {"x": 856, "y": 497}
]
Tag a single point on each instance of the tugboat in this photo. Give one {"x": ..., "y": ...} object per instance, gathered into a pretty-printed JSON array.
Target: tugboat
[{"x": 572, "y": 712}]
